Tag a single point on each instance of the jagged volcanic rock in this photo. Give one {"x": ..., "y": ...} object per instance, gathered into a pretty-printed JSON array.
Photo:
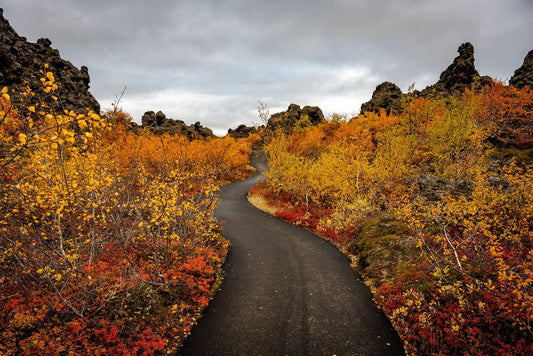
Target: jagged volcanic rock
[
  {"x": 21, "y": 60},
  {"x": 159, "y": 124},
  {"x": 434, "y": 188},
  {"x": 523, "y": 76},
  {"x": 287, "y": 120},
  {"x": 453, "y": 81},
  {"x": 459, "y": 75},
  {"x": 242, "y": 131},
  {"x": 386, "y": 96}
]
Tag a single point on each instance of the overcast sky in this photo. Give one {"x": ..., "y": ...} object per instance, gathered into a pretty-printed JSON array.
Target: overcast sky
[{"x": 213, "y": 60}]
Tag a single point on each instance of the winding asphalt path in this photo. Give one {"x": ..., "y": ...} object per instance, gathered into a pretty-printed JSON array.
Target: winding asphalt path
[{"x": 286, "y": 292}]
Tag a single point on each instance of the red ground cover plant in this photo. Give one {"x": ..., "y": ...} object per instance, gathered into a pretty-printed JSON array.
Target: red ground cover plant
[
  {"x": 452, "y": 266},
  {"x": 107, "y": 238}
]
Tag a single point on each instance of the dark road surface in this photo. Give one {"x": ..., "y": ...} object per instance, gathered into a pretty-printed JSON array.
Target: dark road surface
[{"x": 286, "y": 292}]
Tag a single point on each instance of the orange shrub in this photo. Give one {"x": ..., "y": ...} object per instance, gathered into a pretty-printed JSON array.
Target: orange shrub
[
  {"x": 466, "y": 287},
  {"x": 108, "y": 240}
]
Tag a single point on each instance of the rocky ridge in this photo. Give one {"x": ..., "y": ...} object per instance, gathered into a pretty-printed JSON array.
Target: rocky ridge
[
  {"x": 286, "y": 121},
  {"x": 243, "y": 131},
  {"x": 158, "y": 123},
  {"x": 523, "y": 76},
  {"x": 459, "y": 75},
  {"x": 387, "y": 96},
  {"x": 21, "y": 60}
]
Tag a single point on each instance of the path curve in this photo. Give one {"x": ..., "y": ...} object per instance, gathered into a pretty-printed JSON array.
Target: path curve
[{"x": 286, "y": 292}]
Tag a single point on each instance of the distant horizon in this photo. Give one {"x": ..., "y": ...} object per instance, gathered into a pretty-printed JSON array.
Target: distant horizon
[{"x": 213, "y": 62}]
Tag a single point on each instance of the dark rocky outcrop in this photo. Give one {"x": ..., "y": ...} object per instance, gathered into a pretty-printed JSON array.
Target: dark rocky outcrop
[
  {"x": 243, "y": 131},
  {"x": 434, "y": 188},
  {"x": 523, "y": 76},
  {"x": 158, "y": 123},
  {"x": 21, "y": 61},
  {"x": 387, "y": 96},
  {"x": 313, "y": 113},
  {"x": 286, "y": 121},
  {"x": 499, "y": 182},
  {"x": 459, "y": 75}
]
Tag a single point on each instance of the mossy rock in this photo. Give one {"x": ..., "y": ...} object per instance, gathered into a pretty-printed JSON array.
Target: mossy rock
[
  {"x": 521, "y": 156},
  {"x": 383, "y": 246}
]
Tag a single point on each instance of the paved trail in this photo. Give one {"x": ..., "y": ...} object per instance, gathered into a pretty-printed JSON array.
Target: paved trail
[{"x": 286, "y": 292}]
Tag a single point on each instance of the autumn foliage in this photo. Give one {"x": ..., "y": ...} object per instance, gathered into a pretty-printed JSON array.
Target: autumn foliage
[
  {"x": 108, "y": 243},
  {"x": 436, "y": 205}
]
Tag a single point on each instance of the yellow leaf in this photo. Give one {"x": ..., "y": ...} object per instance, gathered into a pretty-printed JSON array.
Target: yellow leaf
[
  {"x": 31, "y": 108},
  {"x": 4, "y": 90},
  {"x": 6, "y": 97},
  {"x": 22, "y": 138}
]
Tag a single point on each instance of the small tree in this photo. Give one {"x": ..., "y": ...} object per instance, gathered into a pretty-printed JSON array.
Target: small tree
[{"x": 264, "y": 113}]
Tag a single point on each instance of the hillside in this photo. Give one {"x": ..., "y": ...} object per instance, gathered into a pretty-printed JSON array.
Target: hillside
[
  {"x": 109, "y": 243},
  {"x": 432, "y": 200},
  {"x": 107, "y": 236}
]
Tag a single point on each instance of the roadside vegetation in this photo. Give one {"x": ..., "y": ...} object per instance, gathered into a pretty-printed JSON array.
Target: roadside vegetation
[
  {"x": 434, "y": 205},
  {"x": 108, "y": 243}
]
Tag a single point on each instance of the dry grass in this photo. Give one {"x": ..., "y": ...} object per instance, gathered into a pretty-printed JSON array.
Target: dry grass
[{"x": 261, "y": 203}]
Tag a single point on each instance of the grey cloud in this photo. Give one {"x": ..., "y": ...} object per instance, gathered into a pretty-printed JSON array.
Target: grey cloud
[{"x": 279, "y": 50}]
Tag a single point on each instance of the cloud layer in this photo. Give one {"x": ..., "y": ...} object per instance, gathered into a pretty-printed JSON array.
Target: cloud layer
[{"x": 212, "y": 61}]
